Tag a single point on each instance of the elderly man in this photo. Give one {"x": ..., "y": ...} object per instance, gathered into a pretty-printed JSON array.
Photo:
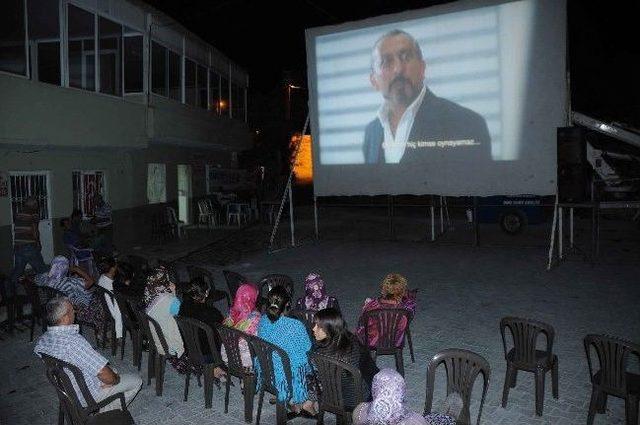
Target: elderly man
[
  {"x": 64, "y": 342},
  {"x": 413, "y": 124}
]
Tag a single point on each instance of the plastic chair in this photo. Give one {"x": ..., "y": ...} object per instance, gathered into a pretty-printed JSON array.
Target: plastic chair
[
  {"x": 524, "y": 356},
  {"x": 234, "y": 280},
  {"x": 231, "y": 339},
  {"x": 462, "y": 368},
  {"x": 130, "y": 324},
  {"x": 387, "y": 322},
  {"x": 58, "y": 375},
  {"x": 234, "y": 213},
  {"x": 334, "y": 376},
  {"x": 265, "y": 352},
  {"x": 191, "y": 329},
  {"x": 213, "y": 209},
  {"x": 176, "y": 225},
  {"x": 109, "y": 321},
  {"x": 612, "y": 378},
  {"x": 214, "y": 294}
]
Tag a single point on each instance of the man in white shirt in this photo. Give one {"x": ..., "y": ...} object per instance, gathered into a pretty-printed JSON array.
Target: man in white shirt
[{"x": 413, "y": 124}]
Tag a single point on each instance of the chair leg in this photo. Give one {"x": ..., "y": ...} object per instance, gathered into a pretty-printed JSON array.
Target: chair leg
[
  {"x": 281, "y": 413},
  {"x": 410, "y": 343},
  {"x": 124, "y": 340},
  {"x": 227, "y": 389},
  {"x": 208, "y": 387},
  {"x": 540, "y": 373},
  {"x": 399, "y": 362},
  {"x": 554, "y": 379},
  {"x": 151, "y": 363},
  {"x": 508, "y": 377},
  {"x": 593, "y": 403},
  {"x": 631, "y": 410},
  {"x": 602, "y": 403},
  {"x": 320, "y": 420},
  {"x": 159, "y": 374},
  {"x": 187, "y": 378},
  {"x": 514, "y": 378},
  {"x": 33, "y": 326},
  {"x": 260, "y": 400},
  {"x": 114, "y": 343},
  {"x": 249, "y": 395}
]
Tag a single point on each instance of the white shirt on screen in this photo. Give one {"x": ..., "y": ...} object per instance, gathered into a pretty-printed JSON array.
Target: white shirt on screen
[{"x": 394, "y": 147}]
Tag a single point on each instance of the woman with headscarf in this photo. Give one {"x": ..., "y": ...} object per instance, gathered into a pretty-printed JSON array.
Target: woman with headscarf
[
  {"x": 244, "y": 317},
  {"x": 162, "y": 305},
  {"x": 316, "y": 297},
  {"x": 78, "y": 288},
  {"x": 291, "y": 335},
  {"x": 393, "y": 294}
]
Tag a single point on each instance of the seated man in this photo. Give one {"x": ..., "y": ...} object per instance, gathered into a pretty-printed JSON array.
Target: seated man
[{"x": 64, "y": 342}]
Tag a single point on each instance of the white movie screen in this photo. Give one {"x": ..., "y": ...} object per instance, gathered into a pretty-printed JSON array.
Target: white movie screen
[{"x": 454, "y": 100}]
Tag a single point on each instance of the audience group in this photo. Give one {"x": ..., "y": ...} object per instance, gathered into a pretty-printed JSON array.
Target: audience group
[{"x": 268, "y": 318}]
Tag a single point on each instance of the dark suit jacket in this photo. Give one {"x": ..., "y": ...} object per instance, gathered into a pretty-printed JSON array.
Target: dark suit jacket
[{"x": 437, "y": 119}]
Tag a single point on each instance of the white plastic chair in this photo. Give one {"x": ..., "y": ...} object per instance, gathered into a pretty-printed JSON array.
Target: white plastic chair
[{"x": 178, "y": 225}]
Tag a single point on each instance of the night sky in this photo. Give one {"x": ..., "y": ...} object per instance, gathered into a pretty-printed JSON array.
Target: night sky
[{"x": 267, "y": 39}]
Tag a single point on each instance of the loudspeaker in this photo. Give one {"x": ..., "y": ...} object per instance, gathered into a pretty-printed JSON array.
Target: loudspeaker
[{"x": 573, "y": 169}]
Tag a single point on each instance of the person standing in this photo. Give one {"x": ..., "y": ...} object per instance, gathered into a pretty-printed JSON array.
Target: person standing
[{"x": 26, "y": 250}]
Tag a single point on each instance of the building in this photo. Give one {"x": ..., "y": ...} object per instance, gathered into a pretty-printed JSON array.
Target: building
[{"x": 110, "y": 97}]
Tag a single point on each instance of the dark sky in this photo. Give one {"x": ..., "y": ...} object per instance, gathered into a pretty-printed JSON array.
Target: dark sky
[{"x": 267, "y": 39}]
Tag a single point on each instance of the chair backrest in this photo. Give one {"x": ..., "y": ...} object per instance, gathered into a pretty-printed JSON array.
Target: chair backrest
[
  {"x": 267, "y": 354},
  {"x": 613, "y": 356},
  {"x": 525, "y": 333},
  {"x": 332, "y": 374},
  {"x": 103, "y": 294},
  {"x": 231, "y": 338},
  {"x": 58, "y": 375},
  {"x": 202, "y": 207},
  {"x": 387, "y": 322},
  {"x": 201, "y": 272},
  {"x": 462, "y": 368},
  {"x": 142, "y": 320},
  {"x": 153, "y": 327},
  {"x": 234, "y": 280},
  {"x": 191, "y": 329},
  {"x": 276, "y": 279},
  {"x": 128, "y": 316}
]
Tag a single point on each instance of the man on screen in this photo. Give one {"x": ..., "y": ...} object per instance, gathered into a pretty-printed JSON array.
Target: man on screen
[{"x": 414, "y": 125}]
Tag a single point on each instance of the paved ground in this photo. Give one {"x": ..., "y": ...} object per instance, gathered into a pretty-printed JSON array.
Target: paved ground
[{"x": 464, "y": 291}]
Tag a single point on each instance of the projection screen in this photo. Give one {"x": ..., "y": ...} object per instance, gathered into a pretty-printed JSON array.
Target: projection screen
[{"x": 457, "y": 99}]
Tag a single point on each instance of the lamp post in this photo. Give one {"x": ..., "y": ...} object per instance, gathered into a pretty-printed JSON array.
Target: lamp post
[{"x": 289, "y": 87}]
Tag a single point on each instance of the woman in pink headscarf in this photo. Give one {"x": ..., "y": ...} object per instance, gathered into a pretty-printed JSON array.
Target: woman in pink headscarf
[
  {"x": 243, "y": 316},
  {"x": 316, "y": 297}
]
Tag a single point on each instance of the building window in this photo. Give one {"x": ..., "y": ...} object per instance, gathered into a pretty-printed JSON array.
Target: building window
[
  {"x": 158, "y": 69},
  {"x": 133, "y": 61},
  {"x": 110, "y": 54},
  {"x": 81, "y": 30},
  {"x": 214, "y": 92},
  {"x": 86, "y": 186},
  {"x": 13, "y": 55},
  {"x": 175, "y": 82},
  {"x": 44, "y": 41},
  {"x": 190, "y": 82},
  {"x": 202, "y": 87},
  {"x": 224, "y": 97},
  {"x": 156, "y": 183}
]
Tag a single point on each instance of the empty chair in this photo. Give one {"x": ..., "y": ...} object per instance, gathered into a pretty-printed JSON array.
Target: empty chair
[
  {"x": 207, "y": 276},
  {"x": 176, "y": 225},
  {"x": 387, "y": 325},
  {"x": 70, "y": 405},
  {"x": 213, "y": 209},
  {"x": 206, "y": 214},
  {"x": 265, "y": 353},
  {"x": 234, "y": 280},
  {"x": 131, "y": 325},
  {"x": 203, "y": 359},
  {"x": 524, "y": 355},
  {"x": 232, "y": 339},
  {"x": 612, "y": 377},
  {"x": 235, "y": 213},
  {"x": 334, "y": 376},
  {"x": 462, "y": 369},
  {"x": 109, "y": 323}
]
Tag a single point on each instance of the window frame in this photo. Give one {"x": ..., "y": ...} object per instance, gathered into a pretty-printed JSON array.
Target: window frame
[{"x": 82, "y": 194}]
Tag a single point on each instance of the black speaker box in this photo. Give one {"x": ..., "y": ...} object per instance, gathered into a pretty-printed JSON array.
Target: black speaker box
[{"x": 573, "y": 169}]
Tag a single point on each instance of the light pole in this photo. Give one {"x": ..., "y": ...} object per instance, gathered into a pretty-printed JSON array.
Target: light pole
[{"x": 289, "y": 87}]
